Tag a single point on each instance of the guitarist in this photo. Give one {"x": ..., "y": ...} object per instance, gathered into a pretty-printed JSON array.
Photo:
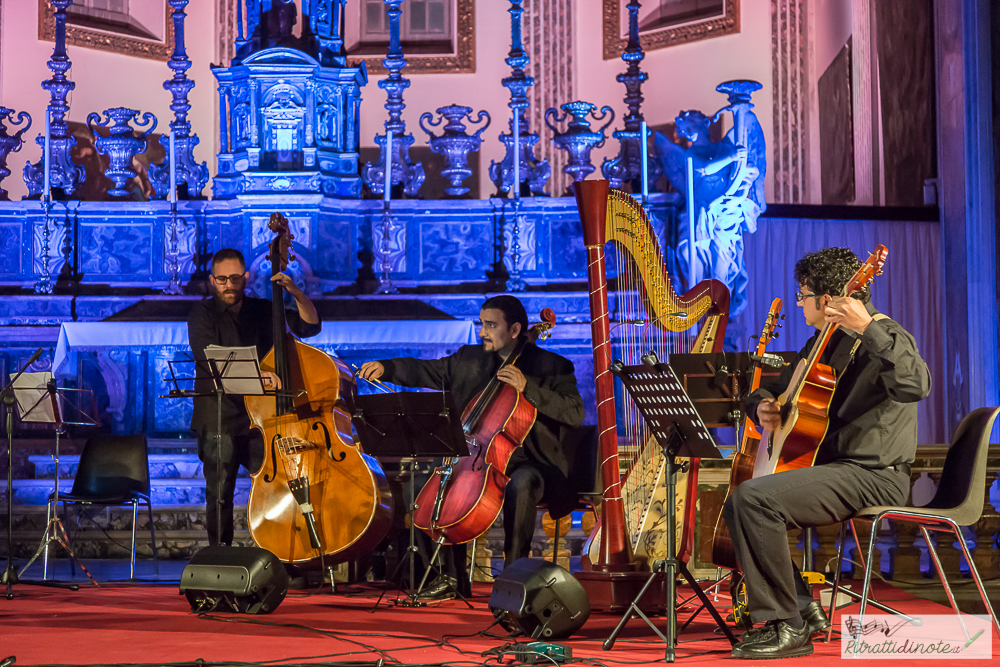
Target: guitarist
[{"x": 863, "y": 460}]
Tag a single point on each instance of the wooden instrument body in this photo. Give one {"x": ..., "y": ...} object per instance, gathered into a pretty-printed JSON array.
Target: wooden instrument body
[
  {"x": 804, "y": 421},
  {"x": 474, "y": 492},
  {"x": 348, "y": 490},
  {"x": 745, "y": 457}
]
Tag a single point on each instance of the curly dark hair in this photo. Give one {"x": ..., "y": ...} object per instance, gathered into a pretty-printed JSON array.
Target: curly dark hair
[{"x": 827, "y": 272}]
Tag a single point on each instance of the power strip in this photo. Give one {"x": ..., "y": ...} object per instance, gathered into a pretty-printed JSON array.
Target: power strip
[{"x": 534, "y": 653}]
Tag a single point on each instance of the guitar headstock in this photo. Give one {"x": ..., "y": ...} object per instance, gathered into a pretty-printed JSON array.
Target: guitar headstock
[
  {"x": 871, "y": 268},
  {"x": 280, "y": 247},
  {"x": 773, "y": 315}
]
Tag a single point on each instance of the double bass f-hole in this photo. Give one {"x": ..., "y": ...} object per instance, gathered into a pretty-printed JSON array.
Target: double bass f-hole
[{"x": 329, "y": 443}]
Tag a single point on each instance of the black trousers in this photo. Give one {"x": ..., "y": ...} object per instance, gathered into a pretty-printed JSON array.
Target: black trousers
[
  {"x": 239, "y": 447},
  {"x": 526, "y": 488},
  {"x": 761, "y": 511}
]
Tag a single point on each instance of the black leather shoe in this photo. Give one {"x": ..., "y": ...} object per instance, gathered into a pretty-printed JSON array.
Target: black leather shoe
[
  {"x": 813, "y": 615},
  {"x": 778, "y": 639},
  {"x": 442, "y": 588}
]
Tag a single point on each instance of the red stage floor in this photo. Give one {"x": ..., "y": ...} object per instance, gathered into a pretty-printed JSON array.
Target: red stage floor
[{"x": 152, "y": 623}]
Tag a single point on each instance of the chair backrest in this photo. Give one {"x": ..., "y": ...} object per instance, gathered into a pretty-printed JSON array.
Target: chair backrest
[
  {"x": 962, "y": 488},
  {"x": 584, "y": 464},
  {"x": 113, "y": 466}
]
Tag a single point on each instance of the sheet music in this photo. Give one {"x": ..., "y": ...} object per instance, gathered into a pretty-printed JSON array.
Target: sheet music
[
  {"x": 30, "y": 392},
  {"x": 239, "y": 368}
]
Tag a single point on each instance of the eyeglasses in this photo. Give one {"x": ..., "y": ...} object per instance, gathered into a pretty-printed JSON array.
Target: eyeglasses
[
  {"x": 799, "y": 296},
  {"x": 235, "y": 279}
]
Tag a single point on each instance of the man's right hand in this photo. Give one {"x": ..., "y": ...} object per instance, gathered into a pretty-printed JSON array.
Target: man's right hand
[
  {"x": 371, "y": 370},
  {"x": 769, "y": 414}
]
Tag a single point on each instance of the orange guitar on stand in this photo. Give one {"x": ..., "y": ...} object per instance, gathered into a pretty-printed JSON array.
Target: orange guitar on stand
[
  {"x": 723, "y": 553},
  {"x": 805, "y": 405}
]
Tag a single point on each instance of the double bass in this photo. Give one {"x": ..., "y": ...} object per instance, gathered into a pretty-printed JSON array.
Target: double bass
[
  {"x": 463, "y": 498},
  {"x": 805, "y": 404},
  {"x": 723, "y": 552},
  {"x": 317, "y": 494}
]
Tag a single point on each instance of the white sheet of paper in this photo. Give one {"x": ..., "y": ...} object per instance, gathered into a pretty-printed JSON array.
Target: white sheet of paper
[
  {"x": 241, "y": 374},
  {"x": 29, "y": 390}
]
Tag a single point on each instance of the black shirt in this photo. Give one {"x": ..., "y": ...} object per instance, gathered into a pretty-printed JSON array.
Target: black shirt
[
  {"x": 211, "y": 322},
  {"x": 550, "y": 388},
  {"x": 873, "y": 413}
]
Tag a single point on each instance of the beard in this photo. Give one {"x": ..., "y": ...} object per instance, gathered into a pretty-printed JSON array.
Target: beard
[{"x": 230, "y": 297}]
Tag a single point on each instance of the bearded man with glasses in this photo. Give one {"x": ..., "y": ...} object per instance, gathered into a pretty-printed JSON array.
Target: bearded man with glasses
[{"x": 229, "y": 318}]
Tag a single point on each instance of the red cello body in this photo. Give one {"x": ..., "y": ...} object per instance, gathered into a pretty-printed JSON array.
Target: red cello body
[{"x": 495, "y": 422}]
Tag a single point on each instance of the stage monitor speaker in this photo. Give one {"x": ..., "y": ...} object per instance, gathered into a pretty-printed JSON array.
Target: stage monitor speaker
[
  {"x": 540, "y": 598},
  {"x": 245, "y": 580}
]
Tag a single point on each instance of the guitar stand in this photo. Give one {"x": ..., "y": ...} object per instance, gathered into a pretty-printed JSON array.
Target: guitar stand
[{"x": 669, "y": 567}]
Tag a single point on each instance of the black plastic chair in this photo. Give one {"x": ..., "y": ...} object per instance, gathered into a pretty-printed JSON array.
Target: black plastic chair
[
  {"x": 958, "y": 502},
  {"x": 113, "y": 472},
  {"x": 584, "y": 478}
]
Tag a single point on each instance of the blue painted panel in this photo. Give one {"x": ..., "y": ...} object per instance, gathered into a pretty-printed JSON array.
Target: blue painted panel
[
  {"x": 336, "y": 253},
  {"x": 116, "y": 250},
  {"x": 464, "y": 248},
  {"x": 10, "y": 248},
  {"x": 169, "y": 414},
  {"x": 567, "y": 254}
]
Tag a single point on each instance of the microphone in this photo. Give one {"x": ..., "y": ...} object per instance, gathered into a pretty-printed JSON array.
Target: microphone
[
  {"x": 772, "y": 360},
  {"x": 34, "y": 357}
]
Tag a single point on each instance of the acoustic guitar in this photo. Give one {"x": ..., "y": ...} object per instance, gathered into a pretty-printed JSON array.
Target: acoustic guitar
[
  {"x": 805, "y": 404},
  {"x": 723, "y": 553}
]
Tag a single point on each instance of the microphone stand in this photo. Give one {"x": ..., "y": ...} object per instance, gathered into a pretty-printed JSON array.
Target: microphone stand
[{"x": 7, "y": 398}]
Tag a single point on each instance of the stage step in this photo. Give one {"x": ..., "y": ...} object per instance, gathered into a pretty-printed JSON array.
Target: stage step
[{"x": 167, "y": 491}]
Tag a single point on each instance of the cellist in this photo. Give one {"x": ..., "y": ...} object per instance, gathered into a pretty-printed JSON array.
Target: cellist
[
  {"x": 231, "y": 319},
  {"x": 547, "y": 381}
]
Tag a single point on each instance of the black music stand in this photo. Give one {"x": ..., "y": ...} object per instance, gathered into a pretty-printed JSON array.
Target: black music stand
[
  {"x": 674, "y": 422},
  {"x": 411, "y": 425},
  {"x": 40, "y": 400},
  {"x": 225, "y": 380}
]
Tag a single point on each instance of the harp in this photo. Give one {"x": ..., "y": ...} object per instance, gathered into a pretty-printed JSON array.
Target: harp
[{"x": 648, "y": 316}]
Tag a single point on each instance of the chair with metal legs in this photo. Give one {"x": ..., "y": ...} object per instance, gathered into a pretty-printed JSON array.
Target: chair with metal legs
[
  {"x": 113, "y": 471},
  {"x": 958, "y": 502}
]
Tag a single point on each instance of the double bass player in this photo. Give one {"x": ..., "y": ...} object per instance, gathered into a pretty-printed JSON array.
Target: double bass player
[
  {"x": 539, "y": 468},
  {"x": 231, "y": 319}
]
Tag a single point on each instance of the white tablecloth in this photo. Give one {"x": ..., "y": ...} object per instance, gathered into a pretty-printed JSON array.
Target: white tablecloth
[{"x": 87, "y": 336}]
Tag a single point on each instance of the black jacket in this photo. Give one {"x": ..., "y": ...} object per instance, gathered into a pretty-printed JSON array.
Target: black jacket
[
  {"x": 551, "y": 388},
  {"x": 211, "y": 323},
  {"x": 873, "y": 414}
]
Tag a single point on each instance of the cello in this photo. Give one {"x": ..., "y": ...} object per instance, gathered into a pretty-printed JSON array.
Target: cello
[
  {"x": 805, "y": 404},
  {"x": 317, "y": 495},
  {"x": 463, "y": 497},
  {"x": 723, "y": 552}
]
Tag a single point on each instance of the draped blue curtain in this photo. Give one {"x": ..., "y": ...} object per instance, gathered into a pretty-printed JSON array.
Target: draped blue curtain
[{"x": 907, "y": 291}]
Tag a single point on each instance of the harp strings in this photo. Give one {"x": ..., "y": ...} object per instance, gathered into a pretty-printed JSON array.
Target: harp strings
[{"x": 645, "y": 312}]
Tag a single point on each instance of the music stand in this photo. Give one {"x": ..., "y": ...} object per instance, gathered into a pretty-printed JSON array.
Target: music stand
[
  {"x": 674, "y": 422},
  {"x": 232, "y": 371},
  {"x": 40, "y": 400},
  {"x": 410, "y": 425}
]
